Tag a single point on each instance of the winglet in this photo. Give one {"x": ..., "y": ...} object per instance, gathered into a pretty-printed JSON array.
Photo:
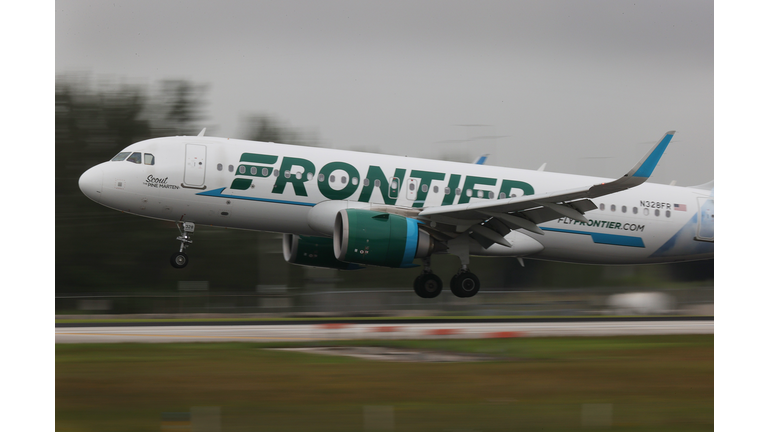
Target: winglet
[
  {"x": 637, "y": 175},
  {"x": 645, "y": 167}
]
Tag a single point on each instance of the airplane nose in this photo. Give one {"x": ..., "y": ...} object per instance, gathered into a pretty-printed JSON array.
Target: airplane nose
[{"x": 91, "y": 183}]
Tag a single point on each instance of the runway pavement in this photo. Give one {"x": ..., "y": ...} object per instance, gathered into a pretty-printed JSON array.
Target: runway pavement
[{"x": 341, "y": 331}]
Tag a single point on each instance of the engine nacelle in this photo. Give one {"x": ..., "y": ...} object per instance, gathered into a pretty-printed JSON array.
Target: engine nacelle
[
  {"x": 313, "y": 252},
  {"x": 380, "y": 239}
]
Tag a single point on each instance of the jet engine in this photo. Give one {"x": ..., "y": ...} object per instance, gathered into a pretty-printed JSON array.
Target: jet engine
[
  {"x": 313, "y": 252},
  {"x": 381, "y": 239}
]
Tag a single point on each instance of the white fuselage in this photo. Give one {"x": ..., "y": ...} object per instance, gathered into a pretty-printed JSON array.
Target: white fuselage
[{"x": 274, "y": 187}]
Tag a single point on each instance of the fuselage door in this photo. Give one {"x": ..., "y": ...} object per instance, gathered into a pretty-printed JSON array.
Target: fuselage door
[
  {"x": 413, "y": 188},
  {"x": 706, "y": 228},
  {"x": 194, "y": 170},
  {"x": 394, "y": 187}
]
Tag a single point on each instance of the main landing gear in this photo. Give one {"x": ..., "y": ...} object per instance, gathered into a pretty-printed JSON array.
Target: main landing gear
[
  {"x": 428, "y": 285},
  {"x": 180, "y": 259},
  {"x": 465, "y": 284}
]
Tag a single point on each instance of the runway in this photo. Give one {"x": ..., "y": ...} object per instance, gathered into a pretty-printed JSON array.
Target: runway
[{"x": 347, "y": 331}]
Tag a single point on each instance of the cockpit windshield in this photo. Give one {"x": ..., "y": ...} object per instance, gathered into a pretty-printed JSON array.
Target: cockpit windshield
[
  {"x": 134, "y": 157},
  {"x": 121, "y": 156}
]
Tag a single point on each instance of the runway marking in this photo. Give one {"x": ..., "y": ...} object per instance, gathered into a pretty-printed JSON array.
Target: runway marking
[{"x": 190, "y": 336}]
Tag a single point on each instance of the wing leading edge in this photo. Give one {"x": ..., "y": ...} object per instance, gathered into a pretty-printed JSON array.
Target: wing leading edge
[{"x": 527, "y": 211}]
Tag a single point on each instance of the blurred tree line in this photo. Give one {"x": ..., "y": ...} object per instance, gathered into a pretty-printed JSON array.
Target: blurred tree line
[{"x": 99, "y": 250}]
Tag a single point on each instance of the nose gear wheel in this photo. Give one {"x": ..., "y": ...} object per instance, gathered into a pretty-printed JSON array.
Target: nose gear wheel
[{"x": 180, "y": 259}]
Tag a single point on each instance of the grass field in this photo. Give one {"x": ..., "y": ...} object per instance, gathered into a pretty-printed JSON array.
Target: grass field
[{"x": 539, "y": 384}]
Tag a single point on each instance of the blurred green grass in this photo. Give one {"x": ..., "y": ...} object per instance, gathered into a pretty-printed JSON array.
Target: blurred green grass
[{"x": 650, "y": 382}]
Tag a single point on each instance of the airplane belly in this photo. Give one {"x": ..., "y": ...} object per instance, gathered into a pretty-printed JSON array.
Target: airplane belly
[
  {"x": 273, "y": 217},
  {"x": 588, "y": 249}
]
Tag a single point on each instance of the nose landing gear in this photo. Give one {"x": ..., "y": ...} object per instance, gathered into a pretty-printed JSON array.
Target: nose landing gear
[{"x": 180, "y": 259}]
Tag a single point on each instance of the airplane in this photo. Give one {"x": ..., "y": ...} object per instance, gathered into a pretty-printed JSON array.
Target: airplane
[{"x": 347, "y": 210}]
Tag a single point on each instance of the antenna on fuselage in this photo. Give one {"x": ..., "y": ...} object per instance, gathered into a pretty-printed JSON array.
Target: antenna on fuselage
[{"x": 202, "y": 132}]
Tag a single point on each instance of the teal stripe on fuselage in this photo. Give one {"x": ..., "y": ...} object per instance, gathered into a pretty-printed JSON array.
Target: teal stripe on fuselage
[{"x": 601, "y": 238}]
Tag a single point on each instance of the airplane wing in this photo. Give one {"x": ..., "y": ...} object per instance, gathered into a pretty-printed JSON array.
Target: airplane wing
[{"x": 526, "y": 212}]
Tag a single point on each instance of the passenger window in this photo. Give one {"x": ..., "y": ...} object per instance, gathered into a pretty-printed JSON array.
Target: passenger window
[
  {"x": 424, "y": 188},
  {"x": 366, "y": 182},
  {"x": 219, "y": 167},
  {"x": 503, "y": 195},
  {"x": 135, "y": 158},
  {"x": 623, "y": 209},
  {"x": 602, "y": 207},
  {"x": 634, "y": 210},
  {"x": 613, "y": 207},
  {"x": 149, "y": 159},
  {"x": 377, "y": 183},
  {"x": 436, "y": 189}
]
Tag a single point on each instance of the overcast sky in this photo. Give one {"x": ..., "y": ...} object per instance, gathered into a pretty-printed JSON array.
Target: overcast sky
[{"x": 585, "y": 86}]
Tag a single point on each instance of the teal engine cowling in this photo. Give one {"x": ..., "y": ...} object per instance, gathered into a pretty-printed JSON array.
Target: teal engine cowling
[
  {"x": 313, "y": 252},
  {"x": 381, "y": 239}
]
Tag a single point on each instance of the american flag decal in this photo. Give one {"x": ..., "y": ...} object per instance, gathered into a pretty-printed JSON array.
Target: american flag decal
[{"x": 681, "y": 207}]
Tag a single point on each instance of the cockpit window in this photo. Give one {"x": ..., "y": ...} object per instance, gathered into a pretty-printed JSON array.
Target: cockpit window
[
  {"x": 135, "y": 158},
  {"x": 149, "y": 159},
  {"x": 121, "y": 156}
]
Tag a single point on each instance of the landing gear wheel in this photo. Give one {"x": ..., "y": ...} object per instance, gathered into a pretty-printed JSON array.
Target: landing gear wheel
[
  {"x": 179, "y": 260},
  {"x": 428, "y": 285},
  {"x": 465, "y": 285}
]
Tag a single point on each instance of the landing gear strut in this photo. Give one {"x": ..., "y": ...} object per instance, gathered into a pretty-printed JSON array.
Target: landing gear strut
[{"x": 180, "y": 259}]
